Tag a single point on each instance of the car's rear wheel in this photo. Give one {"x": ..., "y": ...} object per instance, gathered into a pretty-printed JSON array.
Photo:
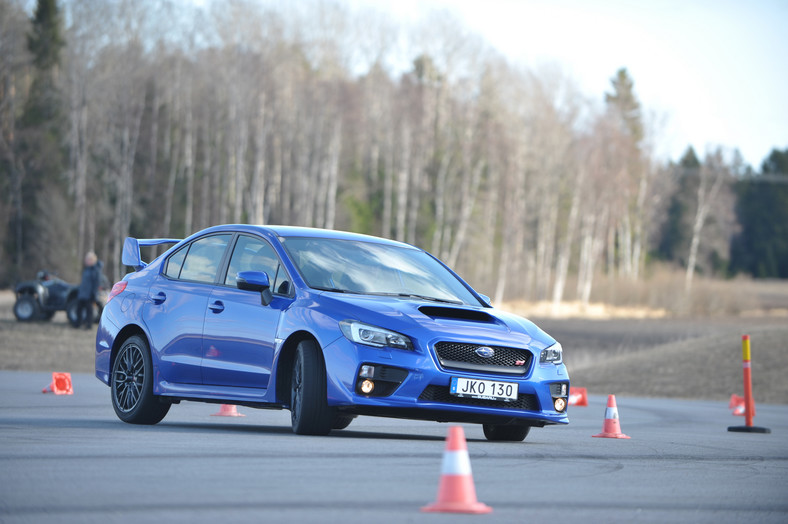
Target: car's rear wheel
[
  {"x": 132, "y": 385},
  {"x": 309, "y": 410},
  {"x": 505, "y": 433},
  {"x": 26, "y": 308}
]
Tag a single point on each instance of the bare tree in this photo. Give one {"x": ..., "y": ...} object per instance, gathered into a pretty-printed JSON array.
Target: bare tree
[{"x": 714, "y": 174}]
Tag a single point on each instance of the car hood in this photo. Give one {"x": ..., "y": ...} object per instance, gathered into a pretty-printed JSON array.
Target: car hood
[{"x": 433, "y": 321}]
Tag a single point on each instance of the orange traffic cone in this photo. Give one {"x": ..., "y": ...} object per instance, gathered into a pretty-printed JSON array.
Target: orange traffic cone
[
  {"x": 578, "y": 396},
  {"x": 228, "y": 410},
  {"x": 611, "y": 427},
  {"x": 736, "y": 405},
  {"x": 61, "y": 384},
  {"x": 456, "y": 492}
]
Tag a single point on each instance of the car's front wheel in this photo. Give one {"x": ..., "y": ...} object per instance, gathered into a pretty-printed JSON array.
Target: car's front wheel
[
  {"x": 309, "y": 410},
  {"x": 132, "y": 385},
  {"x": 505, "y": 433},
  {"x": 26, "y": 308}
]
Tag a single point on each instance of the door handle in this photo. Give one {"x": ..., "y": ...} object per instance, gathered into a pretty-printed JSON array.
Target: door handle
[
  {"x": 216, "y": 307},
  {"x": 159, "y": 297}
]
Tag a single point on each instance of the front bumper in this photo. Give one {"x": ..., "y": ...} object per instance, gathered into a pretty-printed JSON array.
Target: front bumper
[{"x": 421, "y": 388}]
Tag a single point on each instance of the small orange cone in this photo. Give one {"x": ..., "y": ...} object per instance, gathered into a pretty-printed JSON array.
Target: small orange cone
[
  {"x": 611, "y": 427},
  {"x": 228, "y": 410},
  {"x": 578, "y": 396},
  {"x": 61, "y": 384},
  {"x": 736, "y": 405},
  {"x": 456, "y": 492}
]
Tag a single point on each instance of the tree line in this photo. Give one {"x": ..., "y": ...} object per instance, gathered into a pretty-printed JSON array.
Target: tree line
[{"x": 160, "y": 118}]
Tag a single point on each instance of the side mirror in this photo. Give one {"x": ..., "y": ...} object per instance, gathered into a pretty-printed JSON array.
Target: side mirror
[{"x": 255, "y": 281}]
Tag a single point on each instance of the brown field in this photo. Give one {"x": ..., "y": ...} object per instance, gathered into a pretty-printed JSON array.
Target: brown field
[{"x": 619, "y": 351}]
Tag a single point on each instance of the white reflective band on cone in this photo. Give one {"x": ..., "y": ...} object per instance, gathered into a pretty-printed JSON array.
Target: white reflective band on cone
[
  {"x": 456, "y": 463},
  {"x": 611, "y": 413}
]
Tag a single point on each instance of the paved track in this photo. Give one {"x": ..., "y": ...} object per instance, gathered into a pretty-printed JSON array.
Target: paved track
[{"x": 69, "y": 459}]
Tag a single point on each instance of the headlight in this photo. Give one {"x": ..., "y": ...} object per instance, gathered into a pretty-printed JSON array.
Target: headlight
[
  {"x": 378, "y": 337},
  {"x": 554, "y": 354}
]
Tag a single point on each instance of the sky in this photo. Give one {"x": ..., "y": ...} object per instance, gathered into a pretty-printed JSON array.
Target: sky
[{"x": 714, "y": 73}]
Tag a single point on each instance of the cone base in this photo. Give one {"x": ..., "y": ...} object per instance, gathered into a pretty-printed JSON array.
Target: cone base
[
  {"x": 457, "y": 507},
  {"x": 611, "y": 435},
  {"x": 228, "y": 411},
  {"x": 749, "y": 429},
  {"x": 52, "y": 389}
]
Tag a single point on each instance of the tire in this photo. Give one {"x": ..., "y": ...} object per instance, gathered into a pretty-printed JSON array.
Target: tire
[
  {"x": 26, "y": 308},
  {"x": 132, "y": 385},
  {"x": 72, "y": 312},
  {"x": 505, "y": 433},
  {"x": 309, "y": 410},
  {"x": 342, "y": 421}
]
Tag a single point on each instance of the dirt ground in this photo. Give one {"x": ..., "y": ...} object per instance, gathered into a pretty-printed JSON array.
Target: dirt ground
[{"x": 661, "y": 357}]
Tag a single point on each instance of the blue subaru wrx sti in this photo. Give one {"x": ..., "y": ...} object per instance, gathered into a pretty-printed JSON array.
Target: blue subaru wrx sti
[{"x": 329, "y": 325}]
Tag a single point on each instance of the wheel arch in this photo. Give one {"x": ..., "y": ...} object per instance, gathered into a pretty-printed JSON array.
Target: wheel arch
[
  {"x": 284, "y": 366},
  {"x": 123, "y": 335}
]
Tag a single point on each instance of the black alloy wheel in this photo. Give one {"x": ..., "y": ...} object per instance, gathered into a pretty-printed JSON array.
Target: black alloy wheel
[
  {"x": 132, "y": 385},
  {"x": 309, "y": 410}
]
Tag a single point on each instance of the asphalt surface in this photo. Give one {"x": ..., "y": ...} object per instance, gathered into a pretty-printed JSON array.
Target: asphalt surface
[{"x": 69, "y": 459}]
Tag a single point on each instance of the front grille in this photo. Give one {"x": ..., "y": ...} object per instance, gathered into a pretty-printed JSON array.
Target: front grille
[
  {"x": 441, "y": 394},
  {"x": 456, "y": 355}
]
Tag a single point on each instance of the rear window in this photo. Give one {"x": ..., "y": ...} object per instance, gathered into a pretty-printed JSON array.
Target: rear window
[{"x": 200, "y": 260}]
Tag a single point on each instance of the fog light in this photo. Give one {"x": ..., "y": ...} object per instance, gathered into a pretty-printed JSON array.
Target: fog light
[
  {"x": 560, "y": 404},
  {"x": 367, "y": 386}
]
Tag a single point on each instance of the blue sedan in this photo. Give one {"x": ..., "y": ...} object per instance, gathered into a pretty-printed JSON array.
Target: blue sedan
[{"x": 326, "y": 324}]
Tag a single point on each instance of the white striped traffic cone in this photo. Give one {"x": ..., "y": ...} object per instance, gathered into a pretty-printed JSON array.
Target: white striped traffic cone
[
  {"x": 456, "y": 492},
  {"x": 611, "y": 427}
]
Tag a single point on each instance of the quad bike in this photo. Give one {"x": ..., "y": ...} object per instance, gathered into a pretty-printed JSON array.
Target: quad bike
[{"x": 41, "y": 298}]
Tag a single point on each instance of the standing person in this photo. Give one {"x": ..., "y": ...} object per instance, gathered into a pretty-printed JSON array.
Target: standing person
[{"x": 88, "y": 290}]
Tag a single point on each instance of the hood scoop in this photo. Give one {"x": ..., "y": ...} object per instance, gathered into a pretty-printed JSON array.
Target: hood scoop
[{"x": 457, "y": 314}]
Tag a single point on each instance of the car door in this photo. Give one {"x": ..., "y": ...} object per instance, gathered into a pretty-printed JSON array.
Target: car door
[
  {"x": 239, "y": 334},
  {"x": 175, "y": 311}
]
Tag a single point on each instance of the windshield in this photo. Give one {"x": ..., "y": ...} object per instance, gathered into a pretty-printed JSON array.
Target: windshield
[{"x": 374, "y": 269}]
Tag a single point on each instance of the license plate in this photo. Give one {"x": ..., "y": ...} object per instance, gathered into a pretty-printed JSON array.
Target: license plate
[{"x": 483, "y": 389}]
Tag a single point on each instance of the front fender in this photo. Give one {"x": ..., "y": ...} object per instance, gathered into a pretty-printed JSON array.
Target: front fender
[{"x": 29, "y": 287}]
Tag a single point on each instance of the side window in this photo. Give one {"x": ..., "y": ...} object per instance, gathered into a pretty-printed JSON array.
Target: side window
[
  {"x": 255, "y": 254},
  {"x": 175, "y": 263},
  {"x": 203, "y": 259}
]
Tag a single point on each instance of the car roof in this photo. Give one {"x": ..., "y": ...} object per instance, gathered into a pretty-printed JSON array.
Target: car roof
[{"x": 308, "y": 232}]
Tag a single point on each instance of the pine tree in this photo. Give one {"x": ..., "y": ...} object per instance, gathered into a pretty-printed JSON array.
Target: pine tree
[
  {"x": 761, "y": 248},
  {"x": 40, "y": 147},
  {"x": 626, "y": 105},
  {"x": 674, "y": 234}
]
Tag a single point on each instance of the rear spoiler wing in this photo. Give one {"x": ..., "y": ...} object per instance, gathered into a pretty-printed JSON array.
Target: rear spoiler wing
[{"x": 131, "y": 249}]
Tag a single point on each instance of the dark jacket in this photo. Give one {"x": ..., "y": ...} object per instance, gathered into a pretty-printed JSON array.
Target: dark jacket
[{"x": 91, "y": 281}]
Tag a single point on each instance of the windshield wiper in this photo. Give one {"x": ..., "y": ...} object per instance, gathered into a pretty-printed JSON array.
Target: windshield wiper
[
  {"x": 420, "y": 297},
  {"x": 334, "y": 290}
]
